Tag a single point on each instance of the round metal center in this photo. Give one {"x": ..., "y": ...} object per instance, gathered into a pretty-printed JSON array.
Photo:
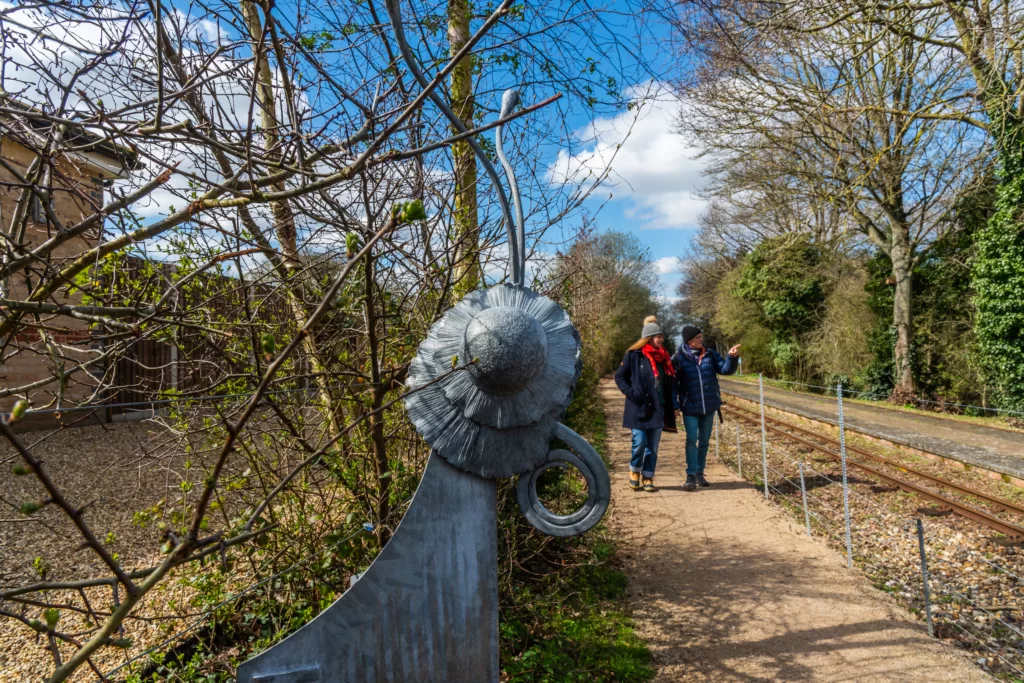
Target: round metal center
[{"x": 510, "y": 346}]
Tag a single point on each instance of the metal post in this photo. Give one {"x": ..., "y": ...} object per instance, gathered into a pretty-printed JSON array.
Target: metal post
[
  {"x": 739, "y": 453},
  {"x": 803, "y": 492},
  {"x": 846, "y": 486},
  {"x": 924, "y": 579},
  {"x": 764, "y": 437},
  {"x": 718, "y": 455}
]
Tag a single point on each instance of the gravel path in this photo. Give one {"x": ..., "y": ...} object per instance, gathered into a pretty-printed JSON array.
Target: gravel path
[
  {"x": 117, "y": 470},
  {"x": 725, "y": 587},
  {"x": 997, "y": 449}
]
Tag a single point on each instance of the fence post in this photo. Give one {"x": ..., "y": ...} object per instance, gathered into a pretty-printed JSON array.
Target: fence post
[
  {"x": 924, "y": 579},
  {"x": 718, "y": 455},
  {"x": 764, "y": 438},
  {"x": 739, "y": 453},
  {"x": 846, "y": 486},
  {"x": 803, "y": 492}
]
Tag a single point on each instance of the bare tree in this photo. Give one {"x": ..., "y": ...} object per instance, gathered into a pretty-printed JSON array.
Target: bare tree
[
  {"x": 266, "y": 236},
  {"x": 242, "y": 216},
  {"x": 837, "y": 128}
]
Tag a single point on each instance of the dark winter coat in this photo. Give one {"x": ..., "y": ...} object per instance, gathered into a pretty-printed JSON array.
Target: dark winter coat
[
  {"x": 645, "y": 407},
  {"x": 697, "y": 383}
]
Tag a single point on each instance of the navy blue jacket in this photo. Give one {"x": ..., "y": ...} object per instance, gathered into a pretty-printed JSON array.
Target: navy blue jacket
[
  {"x": 697, "y": 383},
  {"x": 644, "y": 406}
]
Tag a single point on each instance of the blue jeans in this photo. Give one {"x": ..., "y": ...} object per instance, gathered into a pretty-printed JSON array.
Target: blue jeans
[
  {"x": 645, "y": 451},
  {"x": 698, "y": 433}
]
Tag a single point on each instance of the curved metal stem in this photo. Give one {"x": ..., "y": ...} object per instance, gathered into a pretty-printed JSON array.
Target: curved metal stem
[
  {"x": 509, "y": 101},
  {"x": 395, "y": 15},
  {"x": 584, "y": 458}
]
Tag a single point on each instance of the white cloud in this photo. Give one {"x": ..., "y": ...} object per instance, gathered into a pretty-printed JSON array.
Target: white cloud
[
  {"x": 652, "y": 167},
  {"x": 669, "y": 264}
]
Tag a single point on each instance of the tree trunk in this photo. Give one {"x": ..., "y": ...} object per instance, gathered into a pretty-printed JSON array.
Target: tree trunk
[
  {"x": 466, "y": 220},
  {"x": 902, "y": 311},
  {"x": 377, "y": 436},
  {"x": 282, "y": 217}
]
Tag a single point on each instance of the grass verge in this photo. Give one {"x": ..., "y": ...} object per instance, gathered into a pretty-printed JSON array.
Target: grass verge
[{"x": 562, "y": 617}]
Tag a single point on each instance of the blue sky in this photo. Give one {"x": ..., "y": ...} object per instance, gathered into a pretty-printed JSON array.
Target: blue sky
[{"x": 651, "y": 192}]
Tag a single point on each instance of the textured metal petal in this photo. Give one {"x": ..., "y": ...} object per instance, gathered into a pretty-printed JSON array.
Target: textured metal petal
[
  {"x": 485, "y": 433},
  {"x": 548, "y": 395}
]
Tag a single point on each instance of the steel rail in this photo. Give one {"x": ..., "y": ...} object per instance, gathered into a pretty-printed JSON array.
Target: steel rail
[
  {"x": 1005, "y": 504},
  {"x": 1003, "y": 527}
]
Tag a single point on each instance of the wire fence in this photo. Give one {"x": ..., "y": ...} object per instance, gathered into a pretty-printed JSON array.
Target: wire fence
[{"x": 820, "y": 515}]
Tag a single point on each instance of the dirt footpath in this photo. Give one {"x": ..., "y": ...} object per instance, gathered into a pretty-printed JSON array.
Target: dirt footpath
[{"x": 725, "y": 587}]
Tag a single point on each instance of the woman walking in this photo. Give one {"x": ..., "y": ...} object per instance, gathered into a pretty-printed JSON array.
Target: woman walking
[
  {"x": 647, "y": 379},
  {"x": 699, "y": 398}
]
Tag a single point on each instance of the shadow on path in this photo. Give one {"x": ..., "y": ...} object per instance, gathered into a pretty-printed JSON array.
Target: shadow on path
[{"x": 724, "y": 587}]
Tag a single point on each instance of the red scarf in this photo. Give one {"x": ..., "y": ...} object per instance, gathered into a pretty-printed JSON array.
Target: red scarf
[{"x": 658, "y": 355}]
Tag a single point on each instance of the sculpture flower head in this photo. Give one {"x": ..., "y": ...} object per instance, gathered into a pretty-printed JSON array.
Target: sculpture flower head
[{"x": 495, "y": 419}]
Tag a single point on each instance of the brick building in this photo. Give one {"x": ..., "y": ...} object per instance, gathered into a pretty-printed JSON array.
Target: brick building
[{"x": 83, "y": 167}]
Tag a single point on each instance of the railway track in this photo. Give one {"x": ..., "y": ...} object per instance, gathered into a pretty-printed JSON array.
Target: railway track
[{"x": 809, "y": 439}]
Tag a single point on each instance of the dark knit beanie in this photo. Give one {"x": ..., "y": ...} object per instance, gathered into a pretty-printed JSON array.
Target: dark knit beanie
[{"x": 689, "y": 332}]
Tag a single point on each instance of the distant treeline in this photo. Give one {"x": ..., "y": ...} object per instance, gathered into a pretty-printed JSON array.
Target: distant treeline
[
  {"x": 821, "y": 312},
  {"x": 866, "y": 215}
]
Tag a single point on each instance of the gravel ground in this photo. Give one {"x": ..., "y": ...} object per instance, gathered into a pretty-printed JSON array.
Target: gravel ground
[
  {"x": 128, "y": 477},
  {"x": 975, "y": 573},
  {"x": 726, "y": 587},
  {"x": 116, "y": 470}
]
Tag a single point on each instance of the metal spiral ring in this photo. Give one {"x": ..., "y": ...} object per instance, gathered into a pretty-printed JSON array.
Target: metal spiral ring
[{"x": 593, "y": 469}]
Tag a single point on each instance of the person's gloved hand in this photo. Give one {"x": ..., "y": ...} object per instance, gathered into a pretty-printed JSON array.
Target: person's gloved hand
[{"x": 639, "y": 397}]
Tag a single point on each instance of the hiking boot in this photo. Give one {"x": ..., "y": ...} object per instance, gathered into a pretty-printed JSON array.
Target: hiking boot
[
  {"x": 649, "y": 486},
  {"x": 701, "y": 481},
  {"x": 691, "y": 483},
  {"x": 634, "y": 481}
]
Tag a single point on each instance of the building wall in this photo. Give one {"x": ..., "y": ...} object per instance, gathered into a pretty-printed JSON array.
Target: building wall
[{"x": 27, "y": 359}]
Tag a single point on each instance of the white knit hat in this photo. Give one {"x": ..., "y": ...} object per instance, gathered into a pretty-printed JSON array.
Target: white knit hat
[{"x": 651, "y": 327}]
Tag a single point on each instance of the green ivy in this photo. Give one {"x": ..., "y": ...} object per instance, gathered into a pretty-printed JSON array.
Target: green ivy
[
  {"x": 998, "y": 277},
  {"x": 783, "y": 278}
]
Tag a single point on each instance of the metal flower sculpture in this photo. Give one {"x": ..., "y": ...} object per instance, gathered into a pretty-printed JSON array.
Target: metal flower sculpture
[
  {"x": 427, "y": 608},
  {"x": 498, "y": 418}
]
